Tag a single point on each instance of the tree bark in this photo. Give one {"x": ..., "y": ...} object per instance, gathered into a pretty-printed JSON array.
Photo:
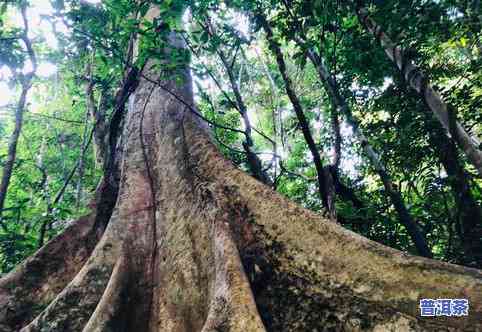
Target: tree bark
[
  {"x": 194, "y": 244},
  {"x": 416, "y": 79}
]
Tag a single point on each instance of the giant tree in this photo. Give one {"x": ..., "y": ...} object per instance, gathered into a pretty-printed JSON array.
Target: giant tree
[{"x": 178, "y": 239}]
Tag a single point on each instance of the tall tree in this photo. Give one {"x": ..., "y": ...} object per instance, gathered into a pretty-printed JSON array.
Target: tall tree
[
  {"x": 26, "y": 83},
  {"x": 254, "y": 163},
  {"x": 325, "y": 179},
  {"x": 340, "y": 103},
  {"x": 193, "y": 244}
]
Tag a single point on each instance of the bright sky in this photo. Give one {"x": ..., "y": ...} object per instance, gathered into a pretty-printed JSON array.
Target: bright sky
[
  {"x": 38, "y": 28},
  {"x": 42, "y": 28}
]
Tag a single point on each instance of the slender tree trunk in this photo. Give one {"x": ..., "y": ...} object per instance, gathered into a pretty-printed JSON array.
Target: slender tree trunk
[
  {"x": 47, "y": 223},
  {"x": 254, "y": 163},
  {"x": 344, "y": 191},
  {"x": 81, "y": 164},
  {"x": 12, "y": 145},
  {"x": 97, "y": 113},
  {"x": 26, "y": 81},
  {"x": 44, "y": 187},
  {"x": 420, "y": 83},
  {"x": 194, "y": 244},
  {"x": 90, "y": 111},
  {"x": 100, "y": 128},
  {"x": 277, "y": 111},
  {"x": 335, "y": 127},
  {"x": 325, "y": 180},
  {"x": 395, "y": 196}
]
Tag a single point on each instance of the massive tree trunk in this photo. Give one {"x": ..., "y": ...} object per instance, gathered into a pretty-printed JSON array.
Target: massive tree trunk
[{"x": 193, "y": 244}]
